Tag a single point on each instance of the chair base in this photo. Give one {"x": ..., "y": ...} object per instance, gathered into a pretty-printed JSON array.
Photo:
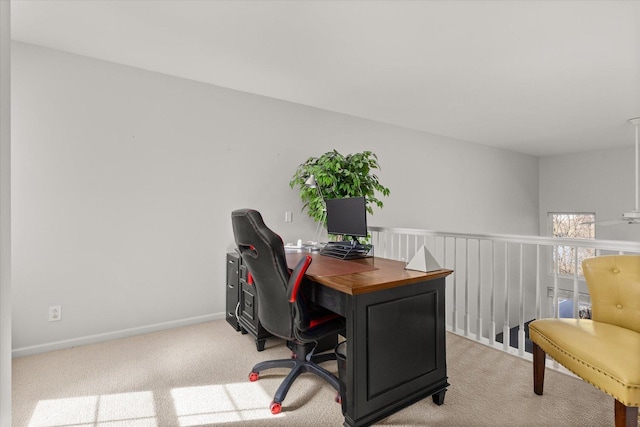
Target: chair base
[
  {"x": 625, "y": 416},
  {"x": 303, "y": 360}
]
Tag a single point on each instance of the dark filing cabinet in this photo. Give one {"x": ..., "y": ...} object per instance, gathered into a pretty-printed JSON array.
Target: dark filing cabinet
[
  {"x": 233, "y": 283},
  {"x": 242, "y": 302}
]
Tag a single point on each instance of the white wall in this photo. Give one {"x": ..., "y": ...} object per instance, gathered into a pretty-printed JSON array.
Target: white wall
[
  {"x": 594, "y": 181},
  {"x": 5, "y": 214},
  {"x": 124, "y": 180},
  {"x": 443, "y": 184}
]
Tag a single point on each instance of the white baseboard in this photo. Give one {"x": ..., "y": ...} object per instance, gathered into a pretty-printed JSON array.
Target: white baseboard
[{"x": 91, "y": 339}]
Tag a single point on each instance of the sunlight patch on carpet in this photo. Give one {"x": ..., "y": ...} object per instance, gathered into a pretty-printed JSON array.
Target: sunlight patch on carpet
[
  {"x": 109, "y": 410},
  {"x": 221, "y": 403}
]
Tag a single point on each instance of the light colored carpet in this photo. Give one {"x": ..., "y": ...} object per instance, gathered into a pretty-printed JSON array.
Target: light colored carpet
[{"x": 197, "y": 375}]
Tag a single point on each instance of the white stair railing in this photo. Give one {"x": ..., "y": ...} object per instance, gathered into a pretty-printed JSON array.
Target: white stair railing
[{"x": 499, "y": 281}]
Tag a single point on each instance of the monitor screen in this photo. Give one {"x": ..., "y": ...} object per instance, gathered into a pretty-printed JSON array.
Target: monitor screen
[{"x": 347, "y": 216}]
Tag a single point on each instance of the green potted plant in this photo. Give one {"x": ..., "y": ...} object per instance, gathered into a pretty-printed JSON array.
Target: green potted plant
[{"x": 338, "y": 176}]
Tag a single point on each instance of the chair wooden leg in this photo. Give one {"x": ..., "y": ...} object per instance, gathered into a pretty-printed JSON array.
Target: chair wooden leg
[
  {"x": 539, "y": 357},
  {"x": 626, "y": 416}
]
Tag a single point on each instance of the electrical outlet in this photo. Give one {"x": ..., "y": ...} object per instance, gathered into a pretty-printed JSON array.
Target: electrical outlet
[
  {"x": 55, "y": 313},
  {"x": 288, "y": 217}
]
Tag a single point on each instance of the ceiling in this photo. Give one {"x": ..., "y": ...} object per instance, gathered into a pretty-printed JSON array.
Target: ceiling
[{"x": 537, "y": 77}]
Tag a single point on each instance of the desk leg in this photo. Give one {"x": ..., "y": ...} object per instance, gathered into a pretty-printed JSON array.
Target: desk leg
[{"x": 438, "y": 398}]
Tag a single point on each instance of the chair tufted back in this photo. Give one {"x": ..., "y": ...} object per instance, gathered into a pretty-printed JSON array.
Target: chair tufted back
[{"x": 614, "y": 286}]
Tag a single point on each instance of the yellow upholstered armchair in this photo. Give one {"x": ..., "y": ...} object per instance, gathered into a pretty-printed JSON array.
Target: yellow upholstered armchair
[{"x": 604, "y": 350}]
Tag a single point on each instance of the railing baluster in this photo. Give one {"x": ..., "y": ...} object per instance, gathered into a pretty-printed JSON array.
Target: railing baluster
[
  {"x": 538, "y": 311},
  {"x": 556, "y": 267},
  {"x": 492, "y": 308},
  {"x": 479, "y": 297},
  {"x": 444, "y": 262},
  {"x": 385, "y": 243},
  {"x": 521, "y": 310},
  {"x": 391, "y": 245},
  {"x": 576, "y": 305},
  {"x": 466, "y": 288},
  {"x": 435, "y": 251},
  {"x": 505, "y": 322},
  {"x": 406, "y": 249},
  {"x": 454, "y": 314}
]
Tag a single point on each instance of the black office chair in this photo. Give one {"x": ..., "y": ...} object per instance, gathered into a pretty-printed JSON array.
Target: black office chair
[{"x": 282, "y": 306}]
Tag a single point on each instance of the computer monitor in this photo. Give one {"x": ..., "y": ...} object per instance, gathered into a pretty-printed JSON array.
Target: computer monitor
[{"x": 347, "y": 216}]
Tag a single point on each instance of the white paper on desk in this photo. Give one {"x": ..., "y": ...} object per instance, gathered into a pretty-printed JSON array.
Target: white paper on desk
[{"x": 423, "y": 261}]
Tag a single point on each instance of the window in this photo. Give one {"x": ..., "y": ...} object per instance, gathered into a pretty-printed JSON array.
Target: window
[
  {"x": 573, "y": 226},
  {"x": 565, "y": 304}
]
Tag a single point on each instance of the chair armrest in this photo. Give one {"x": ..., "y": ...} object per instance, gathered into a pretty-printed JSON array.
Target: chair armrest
[{"x": 296, "y": 278}]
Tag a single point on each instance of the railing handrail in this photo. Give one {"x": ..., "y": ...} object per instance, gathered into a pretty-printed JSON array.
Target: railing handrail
[{"x": 607, "y": 245}]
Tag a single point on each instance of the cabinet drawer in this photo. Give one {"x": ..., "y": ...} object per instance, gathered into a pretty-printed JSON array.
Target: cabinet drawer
[
  {"x": 233, "y": 285},
  {"x": 248, "y": 303}
]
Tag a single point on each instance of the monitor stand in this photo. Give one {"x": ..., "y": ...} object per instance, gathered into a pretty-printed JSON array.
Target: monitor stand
[{"x": 346, "y": 250}]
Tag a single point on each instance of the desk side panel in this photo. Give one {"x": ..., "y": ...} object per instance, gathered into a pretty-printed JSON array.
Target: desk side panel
[
  {"x": 397, "y": 349},
  {"x": 399, "y": 354}
]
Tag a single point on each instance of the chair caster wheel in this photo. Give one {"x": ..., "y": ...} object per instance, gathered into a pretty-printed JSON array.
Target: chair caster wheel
[
  {"x": 254, "y": 376},
  {"x": 275, "y": 407}
]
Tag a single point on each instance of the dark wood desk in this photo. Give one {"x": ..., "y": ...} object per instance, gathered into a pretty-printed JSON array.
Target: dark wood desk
[{"x": 395, "y": 331}]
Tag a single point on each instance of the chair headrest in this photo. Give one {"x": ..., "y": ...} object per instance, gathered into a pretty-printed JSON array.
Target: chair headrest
[{"x": 250, "y": 231}]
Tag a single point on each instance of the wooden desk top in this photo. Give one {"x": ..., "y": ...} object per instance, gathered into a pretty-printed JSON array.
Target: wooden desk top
[{"x": 359, "y": 276}]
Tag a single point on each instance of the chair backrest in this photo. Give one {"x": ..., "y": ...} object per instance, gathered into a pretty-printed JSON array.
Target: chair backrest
[
  {"x": 262, "y": 252},
  {"x": 614, "y": 287}
]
